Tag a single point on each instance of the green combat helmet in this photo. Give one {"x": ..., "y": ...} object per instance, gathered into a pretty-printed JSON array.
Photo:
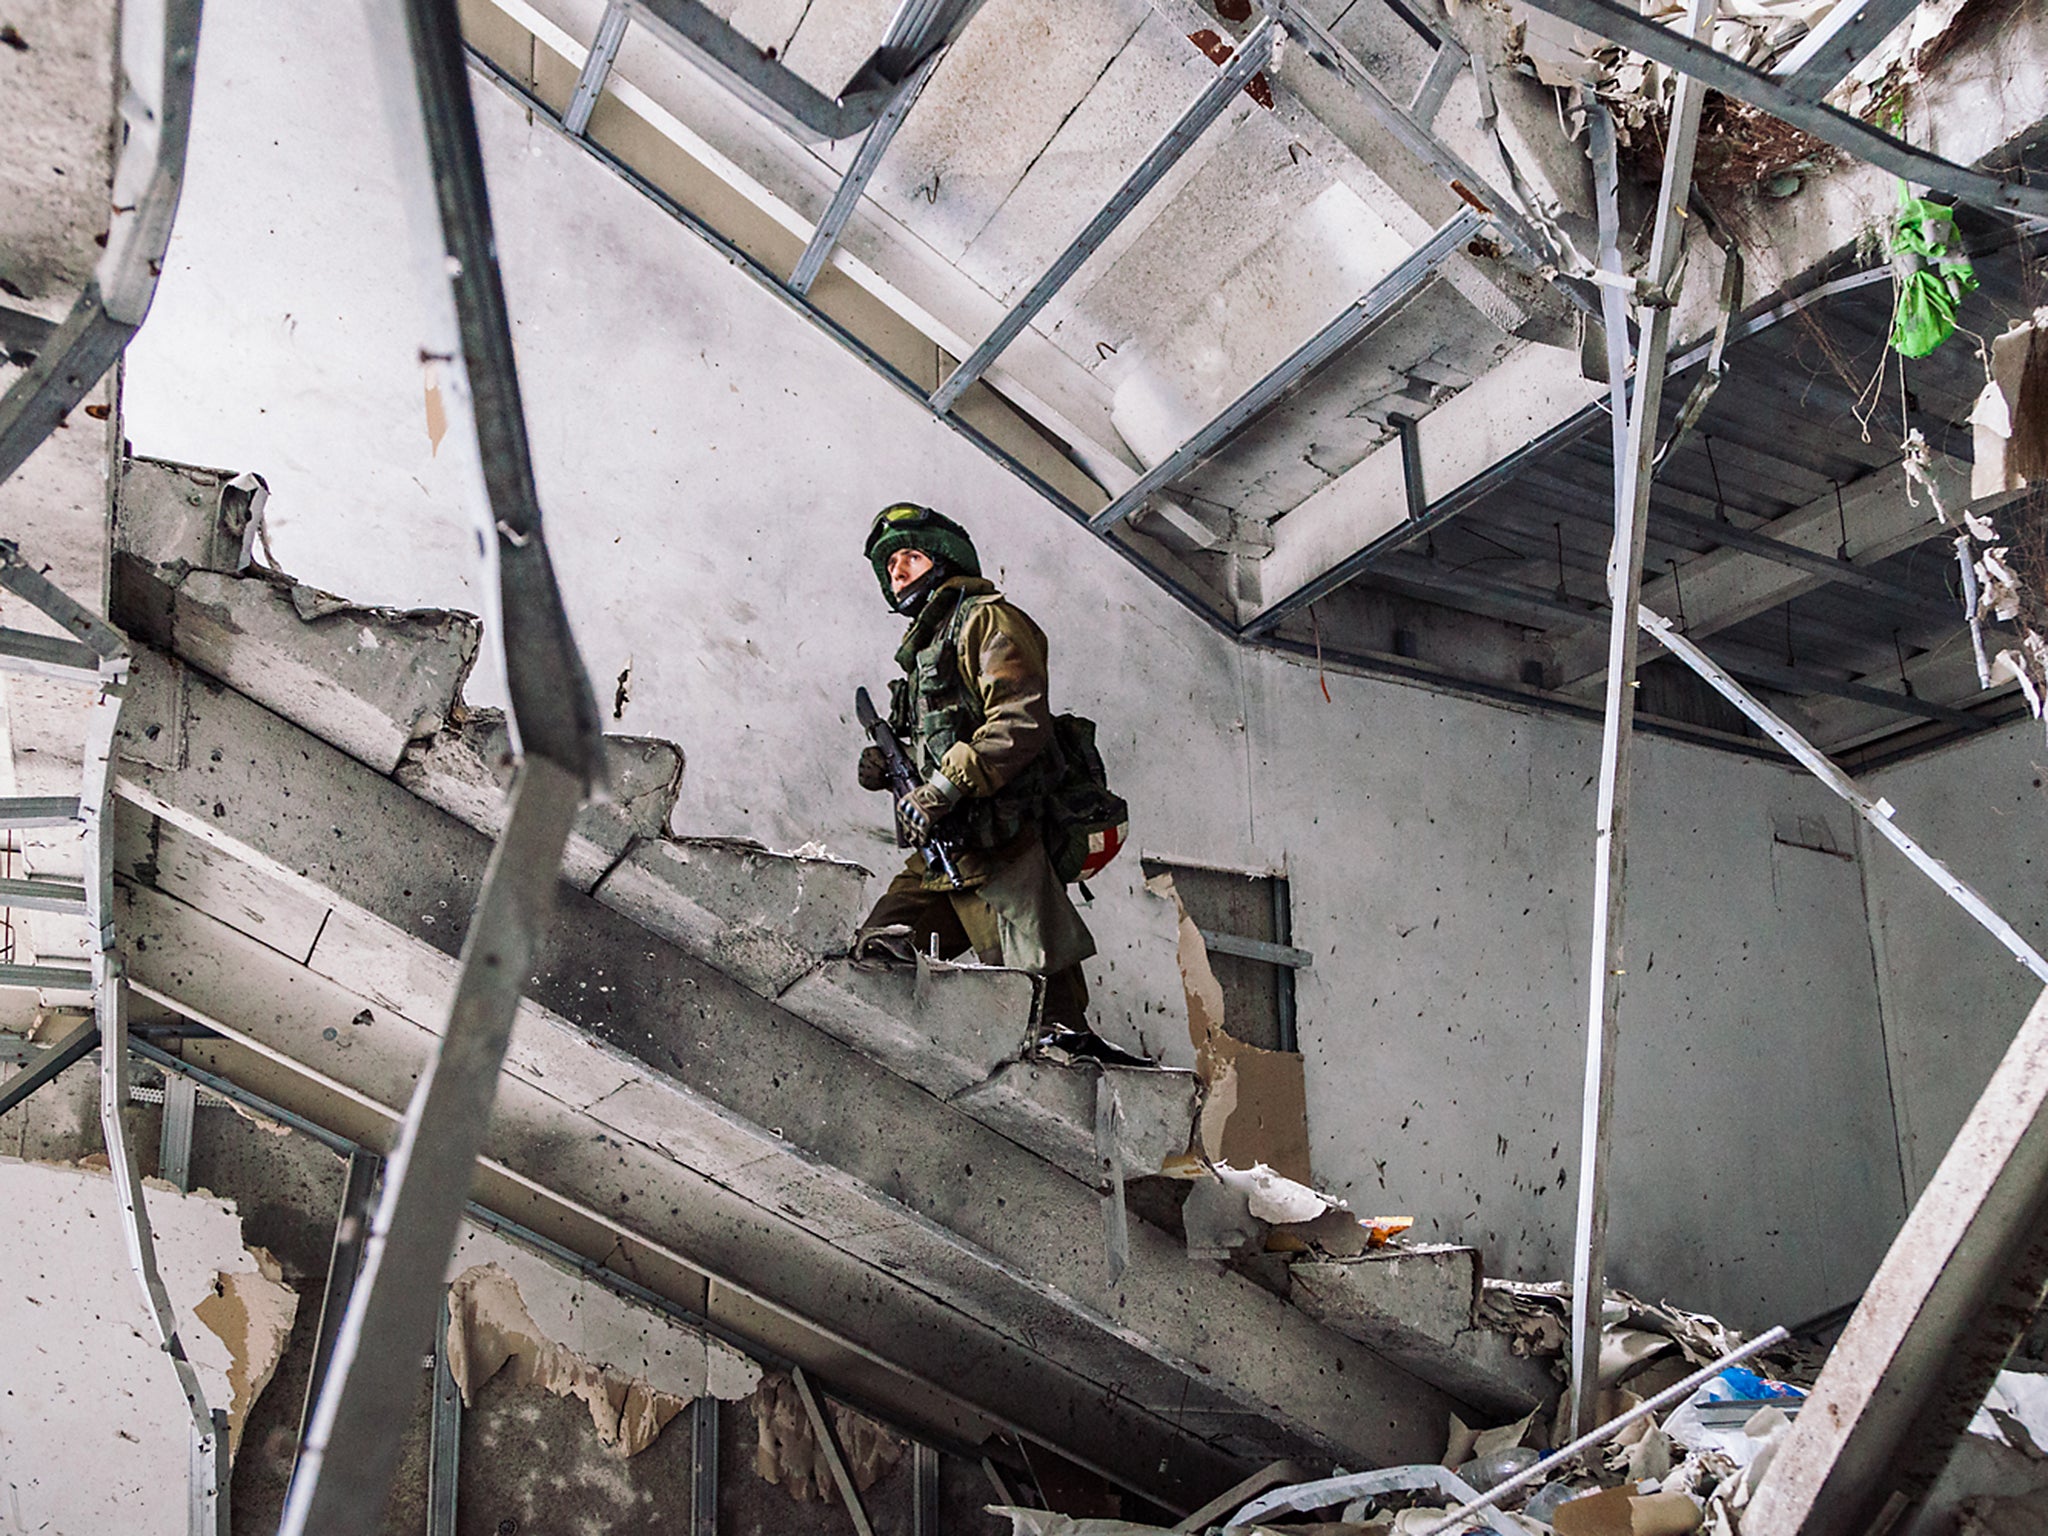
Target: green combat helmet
[{"x": 906, "y": 525}]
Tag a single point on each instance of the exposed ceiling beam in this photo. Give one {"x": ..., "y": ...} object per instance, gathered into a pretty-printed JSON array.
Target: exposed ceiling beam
[
  {"x": 1947, "y": 672},
  {"x": 1727, "y": 585}
]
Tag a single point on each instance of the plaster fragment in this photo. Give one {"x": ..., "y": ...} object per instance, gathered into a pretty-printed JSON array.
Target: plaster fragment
[
  {"x": 251, "y": 1312},
  {"x": 787, "y": 1451},
  {"x": 634, "y": 1369}
]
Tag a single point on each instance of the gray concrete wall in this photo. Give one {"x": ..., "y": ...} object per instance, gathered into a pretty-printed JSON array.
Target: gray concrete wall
[
  {"x": 709, "y": 463},
  {"x": 1952, "y": 996}
]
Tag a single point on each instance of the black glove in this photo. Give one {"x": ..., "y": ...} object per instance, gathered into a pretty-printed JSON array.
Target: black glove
[{"x": 874, "y": 769}]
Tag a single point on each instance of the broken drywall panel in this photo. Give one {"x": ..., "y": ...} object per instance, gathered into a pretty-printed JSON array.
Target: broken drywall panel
[
  {"x": 763, "y": 918},
  {"x": 787, "y": 1451},
  {"x": 251, "y": 1312},
  {"x": 185, "y": 517},
  {"x": 465, "y": 768},
  {"x": 84, "y": 1386},
  {"x": 945, "y": 1027},
  {"x": 634, "y": 1368},
  {"x": 1254, "y": 1105},
  {"x": 2007, "y": 441}
]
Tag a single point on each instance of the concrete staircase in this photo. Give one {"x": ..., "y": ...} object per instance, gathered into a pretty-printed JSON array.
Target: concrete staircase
[{"x": 878, "y": 1149}]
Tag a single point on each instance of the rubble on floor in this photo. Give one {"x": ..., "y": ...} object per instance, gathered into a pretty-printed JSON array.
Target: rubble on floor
[{"x": 1693, "y": 1466}]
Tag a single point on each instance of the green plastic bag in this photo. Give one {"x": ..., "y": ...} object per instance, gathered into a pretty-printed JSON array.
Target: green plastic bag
[{"x": 1933, "y": 275}]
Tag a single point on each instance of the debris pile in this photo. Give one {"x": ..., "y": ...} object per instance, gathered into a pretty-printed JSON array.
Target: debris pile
[
  {"x": 1693, "y": 1466},
  {"x": 1741, "y": 148}
]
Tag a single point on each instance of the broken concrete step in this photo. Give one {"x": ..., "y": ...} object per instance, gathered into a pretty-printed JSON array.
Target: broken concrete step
[
  {"x": 371, "y": 680},
  {"x": 465, "y": 768},
  {"x": 1049, "y": 1107},
  {"x": 764, "y": 918},
  {"x": 1416, "y": 1306},
  {"x": 944, "y": 1027}
]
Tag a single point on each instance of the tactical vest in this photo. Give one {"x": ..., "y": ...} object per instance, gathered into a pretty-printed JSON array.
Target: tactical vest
[{"x": 934, "y": 706}]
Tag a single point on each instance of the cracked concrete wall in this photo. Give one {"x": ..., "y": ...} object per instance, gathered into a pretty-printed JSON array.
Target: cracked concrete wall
[{"x": 709, "y": 464}]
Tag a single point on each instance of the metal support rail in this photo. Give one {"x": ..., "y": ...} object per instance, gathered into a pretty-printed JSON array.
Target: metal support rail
[
  {"x": 597, "y": 67},
  {"x": 919, "y": 30},
  {"x": 444, "y": 1435},
  {"x": 1878, "y": 812},
  {"x": 835, "y": 1458},
  {"x": 1698, "y": 60},
  {"x": 846, "y": 197},
  {"x": 1252, "y": 55},
  {"x": 351, "y": 1448},
  {"x": 52, "y": 1060},
  {"x": 1848, "y": 34},
  {"x": 704, "y": 1466},
  {"x": 1382, "y": 301},
  {"x": 159, "y": 50},
  {"x": 207, "y": 1493},
  {"x": 1624, "y": 584}
]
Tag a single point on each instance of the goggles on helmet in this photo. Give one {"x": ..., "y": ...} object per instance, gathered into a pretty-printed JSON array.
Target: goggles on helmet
[{"x": 898, "y": 519}]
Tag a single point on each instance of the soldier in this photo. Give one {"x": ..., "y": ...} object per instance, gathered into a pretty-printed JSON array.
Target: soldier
[{"x": 972, "y": 713}]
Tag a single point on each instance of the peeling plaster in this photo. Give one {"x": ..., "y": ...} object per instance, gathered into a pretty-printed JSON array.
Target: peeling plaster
[
  {"x": 84, "y": 1386},
  {"x": 632, "y": 1367}
]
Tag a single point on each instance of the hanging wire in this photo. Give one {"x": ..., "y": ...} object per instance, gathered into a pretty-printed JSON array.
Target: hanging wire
[
  {"x": 1720, "y": 502},
  {"x": 1905, "y": 682},
  {"x": 1841, "y": 521}
]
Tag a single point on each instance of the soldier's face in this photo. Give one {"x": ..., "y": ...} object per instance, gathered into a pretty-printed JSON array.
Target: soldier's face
[{"x": 905, "y": 566}]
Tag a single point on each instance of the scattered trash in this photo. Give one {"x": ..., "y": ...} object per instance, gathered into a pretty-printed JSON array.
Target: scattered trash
[
  {"x": 1622, "y": 1512},
  {"x": 1233, "y": 1211},
  {"x": 1716, "y": 1417},
  {"x": 1496, "y": 1467}
]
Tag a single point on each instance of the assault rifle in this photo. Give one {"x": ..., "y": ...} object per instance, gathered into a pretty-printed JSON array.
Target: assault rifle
[{"x": 902, "y": 780}]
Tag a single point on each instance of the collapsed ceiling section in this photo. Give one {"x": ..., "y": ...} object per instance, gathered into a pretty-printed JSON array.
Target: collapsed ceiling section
[{"x": 1294, "y": 305}]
